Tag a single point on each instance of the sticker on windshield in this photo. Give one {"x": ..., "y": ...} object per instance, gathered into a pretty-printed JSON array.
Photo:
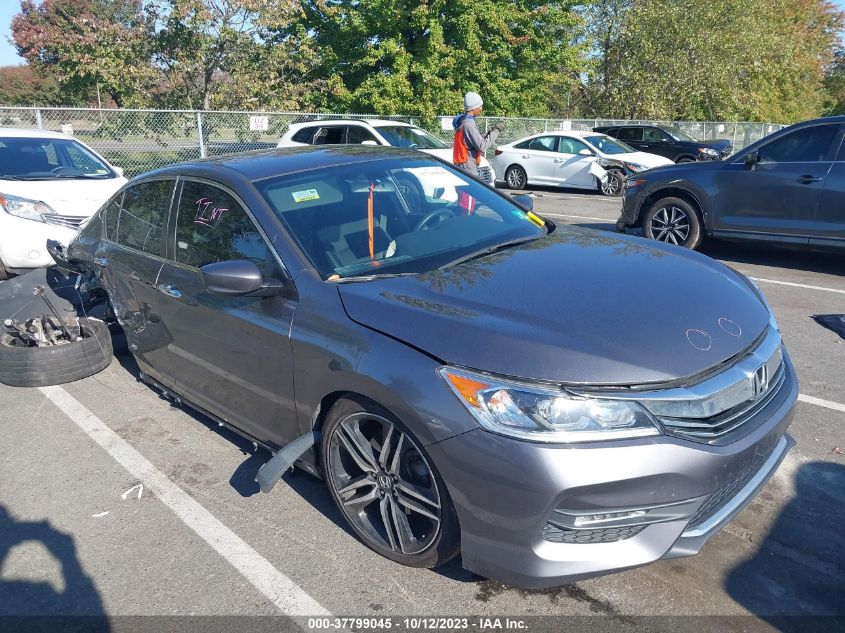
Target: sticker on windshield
[{"x": 305, "y": 196}]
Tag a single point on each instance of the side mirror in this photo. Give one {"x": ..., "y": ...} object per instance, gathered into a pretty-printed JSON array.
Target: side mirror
[
  {"x": 751, "y": 159},
  {"x": 586, "y": 152},
  {"x": 368, "y": 142},
  {"x": 238, "y": 277},
  {"x": 117, "y": 170},
  {"x": 524, "y": 201}
]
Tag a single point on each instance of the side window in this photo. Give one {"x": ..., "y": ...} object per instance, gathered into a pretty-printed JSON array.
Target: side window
[
  {"x": 653, "y": 135},
  {"x": 630, "y": 134},
  {"x": 807, "y": 145},
  {"x": 543, "y": 143},
  {"x": 357, "y": 134},
  {"x": 569, "y": 145},
  {"x": 305, "y": 135},
  {"x": 330, "y": 135},
  {"x": 112, "y": 212},
  {"x": 213, "y": 227},
  {"x": 143, "y": 215}
]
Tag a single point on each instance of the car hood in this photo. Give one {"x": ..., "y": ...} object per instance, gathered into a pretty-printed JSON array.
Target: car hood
[
  {"x": 577, "y": 307},
  {"x": 66, "y": 197},
  {"x": 641, "y": 158},
  {"x": 445, "y": 153}
]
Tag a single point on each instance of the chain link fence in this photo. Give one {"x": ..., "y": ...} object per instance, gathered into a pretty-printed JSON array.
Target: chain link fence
[{"x": 140, "y": 140}]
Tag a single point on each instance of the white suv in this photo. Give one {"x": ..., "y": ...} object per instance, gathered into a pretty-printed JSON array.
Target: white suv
[
  {"x": 373, "y": 132},
  {"x": 50, "y": 184}
]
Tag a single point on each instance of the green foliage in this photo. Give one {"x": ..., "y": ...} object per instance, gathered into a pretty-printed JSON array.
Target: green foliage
[
  {"x": 410, "y": 57},
  {"x": 714, "y": 60},
  {"x": 23, "y": 86}
]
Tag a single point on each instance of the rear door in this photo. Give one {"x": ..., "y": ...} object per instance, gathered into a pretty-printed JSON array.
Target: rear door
[
  {"x": 573, "y": 169},
  {"x": 632, "y": 136},
  {"x": 656, "y": 141},
  {"x": 230, "y": 355},
  {"x": 779, "y": 198},
  {"x": 129, "y": 261},
  {"x": 829, "y": 220},
  {"x": 537, "y": 156}
]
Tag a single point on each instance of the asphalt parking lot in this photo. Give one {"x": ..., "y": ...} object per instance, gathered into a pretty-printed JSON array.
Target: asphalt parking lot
[{"x": 114, "y": 502}]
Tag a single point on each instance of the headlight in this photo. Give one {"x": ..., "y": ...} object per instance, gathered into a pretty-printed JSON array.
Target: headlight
[
  {"x": 24, "y": 207},
  {"x": 545, "y": 414},
  {"x": 759, "y": 292},
  {"x": 712, "y": 153},
  {"x": 635, "y": 167}
]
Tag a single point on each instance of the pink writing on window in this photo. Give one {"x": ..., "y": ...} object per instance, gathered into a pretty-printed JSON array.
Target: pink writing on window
[{"x": 207, "y": 213}]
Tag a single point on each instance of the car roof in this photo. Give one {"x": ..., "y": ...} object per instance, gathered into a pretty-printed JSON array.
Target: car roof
[
  {"x": 16, "y": 132},
  {"x": 260, "y": 164},
  {"x": 371, "y": 122}
]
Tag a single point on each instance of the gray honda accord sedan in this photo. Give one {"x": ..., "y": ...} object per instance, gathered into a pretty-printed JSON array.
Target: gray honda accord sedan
[{"x": 550, "y": 402}]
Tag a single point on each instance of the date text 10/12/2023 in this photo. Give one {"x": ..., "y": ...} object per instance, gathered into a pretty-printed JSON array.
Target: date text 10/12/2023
[{"x": 417, "y": 623}]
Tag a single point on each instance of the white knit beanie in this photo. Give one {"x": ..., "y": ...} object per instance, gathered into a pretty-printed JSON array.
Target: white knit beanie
[{"x": 472, "y": 100}]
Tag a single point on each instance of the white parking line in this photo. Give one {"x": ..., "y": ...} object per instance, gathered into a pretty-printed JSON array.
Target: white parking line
[
  {"x": 279, "y": 589},
  {"x": 827, "y": 404},
  {"x": 789, "y": 283}
]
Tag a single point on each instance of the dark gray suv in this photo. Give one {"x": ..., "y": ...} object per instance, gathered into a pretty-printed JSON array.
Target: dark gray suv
[
  {"x": 467, "y": 377},
  {"x": 788, "y": 187}
]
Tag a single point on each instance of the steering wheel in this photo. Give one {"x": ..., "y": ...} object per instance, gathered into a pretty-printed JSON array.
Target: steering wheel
[{"x": 429, "y": 217}]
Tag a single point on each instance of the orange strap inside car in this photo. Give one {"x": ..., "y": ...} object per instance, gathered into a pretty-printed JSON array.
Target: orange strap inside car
[{"x": 370, "y": 227}]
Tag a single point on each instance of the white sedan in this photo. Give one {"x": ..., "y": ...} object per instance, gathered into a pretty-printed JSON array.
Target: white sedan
[
  {"x": 50, "y": 185},
  {"x": 582, "y": 160}
]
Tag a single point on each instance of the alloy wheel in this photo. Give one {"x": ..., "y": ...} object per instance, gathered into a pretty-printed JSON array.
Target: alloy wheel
[
  {"x": 515, "y": 178},
  {"x": 611, "y": 186},
  {"x": 671, "y": 224},
  {"x": 384, "y": 485}
]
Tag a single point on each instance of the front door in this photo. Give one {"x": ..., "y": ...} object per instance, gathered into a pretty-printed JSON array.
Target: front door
[
  {"x": 573, "y": 169},
  {"x": 128, "y": 263},
  {"x": 230, "y": 355},
  {"x": 778, "y": 198}
]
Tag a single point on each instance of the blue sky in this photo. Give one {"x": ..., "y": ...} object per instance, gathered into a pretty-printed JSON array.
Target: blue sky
[{"x": 8, "y": 8}]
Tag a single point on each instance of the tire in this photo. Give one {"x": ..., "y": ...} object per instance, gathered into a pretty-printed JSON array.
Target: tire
[
  {"x": 681, "y": 221},
  {"x": 685, "y": 159},
  {"x": 613, "y": 186},
  {"x": 43, "y": 366},
  {"x": 361, "y": 427},
  {"x": 515, "y": 177}
]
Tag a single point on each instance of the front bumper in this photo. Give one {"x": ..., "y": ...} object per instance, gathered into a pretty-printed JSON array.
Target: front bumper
[
  {"x": 23, "y": 243},
  {"x": 506, "y": 492}
]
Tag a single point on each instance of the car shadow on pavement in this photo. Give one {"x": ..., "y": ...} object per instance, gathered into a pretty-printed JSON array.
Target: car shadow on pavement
[
  {"x": 775, "y": 256},
  {"x": 796, "y": 574},
  {"x": 75, "y": 603}
]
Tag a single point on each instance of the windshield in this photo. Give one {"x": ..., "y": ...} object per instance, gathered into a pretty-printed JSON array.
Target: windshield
[
  {"x": 412, "y": 137},
  {"x": 392, "y": 216},
  {"x": 49, "y": 159},
  {"x": 678, "y": 135},
  {"x": 609, "y": 145}
]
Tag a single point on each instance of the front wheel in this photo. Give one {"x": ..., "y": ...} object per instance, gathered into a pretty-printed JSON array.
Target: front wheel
[
  {"x": 674, "y": 221},
  {"x": 385, "y": 487},
  {"x": 613, "y": 185}
]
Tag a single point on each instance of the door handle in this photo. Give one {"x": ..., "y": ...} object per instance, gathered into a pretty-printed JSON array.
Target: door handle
[
  {"x": 526, "y": 156},
  {"x": 807, "y": 179},
  {"x": 101, "y": 261},
  {"x": 559, "y": 160},
  {"x": 170, "y": 290}
]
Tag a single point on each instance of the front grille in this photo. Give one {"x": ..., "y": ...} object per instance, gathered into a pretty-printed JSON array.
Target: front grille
[
  {"x": 68, "y": 221},
  {"x": 555, "y": 534},
  {"x": 717, "y": 426},
  {"x": 486, "y": 174},
  {"x": 717, "y": 500}
]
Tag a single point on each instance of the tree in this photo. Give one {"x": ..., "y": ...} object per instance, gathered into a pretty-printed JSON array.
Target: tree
[
  {"x": 410, "y": 57},
  {"x": 720, "y": 59},
  {"x": 88, "y": 45},
  {"x": 23, "y": 86}
]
